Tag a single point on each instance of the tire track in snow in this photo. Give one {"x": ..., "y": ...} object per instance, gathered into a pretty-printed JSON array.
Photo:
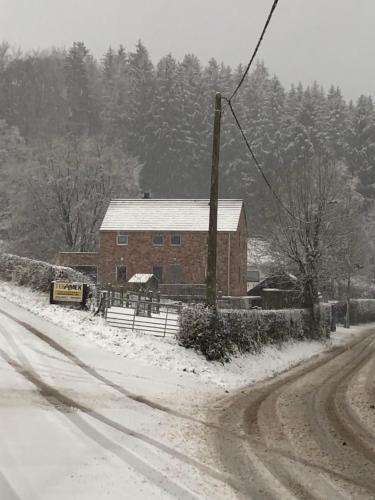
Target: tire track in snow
[
  {"x": 94, "y": 373},
  {"x": 68, "y": 406},
  {"x": 6, "y": 490}
]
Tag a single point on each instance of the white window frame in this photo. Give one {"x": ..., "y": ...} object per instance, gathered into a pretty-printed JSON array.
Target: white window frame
[
  {"x": 176, "y": 235},
  {"x": 158, "y": 244},
  {"x": 119, "y": 234}
]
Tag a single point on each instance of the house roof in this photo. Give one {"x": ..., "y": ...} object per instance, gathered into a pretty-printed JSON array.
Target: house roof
[{"x": 169, "y": 215}]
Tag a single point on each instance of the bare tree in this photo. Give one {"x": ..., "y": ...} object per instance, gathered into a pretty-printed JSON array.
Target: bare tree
[
  {"x": 64, "y": 193},
  {"x": 351, "y": 244},
  {"x": 303, "y": 233}
]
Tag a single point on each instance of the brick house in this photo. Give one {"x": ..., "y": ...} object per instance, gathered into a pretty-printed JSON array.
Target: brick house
[{"x": 168, "y": 238}]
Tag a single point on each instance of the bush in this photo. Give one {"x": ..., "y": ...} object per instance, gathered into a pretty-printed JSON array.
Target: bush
[
  {"x": 203, "y": 328},
  {"x": 219, "y": 334},
  {"x": 34, "y": 273}
]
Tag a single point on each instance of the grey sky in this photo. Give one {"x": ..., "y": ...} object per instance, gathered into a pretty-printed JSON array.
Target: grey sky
[{"x": 331, "y": 41}]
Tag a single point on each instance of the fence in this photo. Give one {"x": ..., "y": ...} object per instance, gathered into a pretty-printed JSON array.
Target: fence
[
  {"x": 183, "y": 292},
  {"x": 125, "y": 310}
]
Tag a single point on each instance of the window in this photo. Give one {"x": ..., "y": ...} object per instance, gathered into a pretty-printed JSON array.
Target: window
[
  {"x": 176, "y": 239},
  {"x": 121, "y": 274},
  {"x": 174, "y": 274},
  {"x": 158, "y": 239},
  {"x": 157, "y": 271},
  {"x": 253, "y": 275},
  {"x": 122, "y": 238}
]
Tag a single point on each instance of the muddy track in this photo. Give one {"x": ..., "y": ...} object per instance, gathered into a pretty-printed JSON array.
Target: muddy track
[{"x": 310, "y": 432}]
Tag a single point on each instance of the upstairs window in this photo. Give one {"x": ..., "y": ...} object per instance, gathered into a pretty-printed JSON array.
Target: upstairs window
[
  {"x": 175, "y": 239},
  {"x": 122, "y": 238},
  {"x": 158, "y": 240}
]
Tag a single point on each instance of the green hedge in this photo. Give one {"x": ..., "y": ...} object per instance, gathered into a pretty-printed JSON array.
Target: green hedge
[
  {"x": 35, "y": 273},
  {"x": 220, "y": 334}
]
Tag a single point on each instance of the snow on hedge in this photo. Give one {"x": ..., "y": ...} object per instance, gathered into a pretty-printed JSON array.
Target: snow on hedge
[
  {"x": 221, "y": 334},
  {"x": 35, "y": 273}
]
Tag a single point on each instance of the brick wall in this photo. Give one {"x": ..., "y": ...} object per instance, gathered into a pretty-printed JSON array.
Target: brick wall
[
  {"x": 238, "y": 261},
  {"x": 140, "y": 255}
]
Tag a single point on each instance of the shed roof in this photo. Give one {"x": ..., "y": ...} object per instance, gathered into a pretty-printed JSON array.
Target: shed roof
[
  {"x": 140, "y": 278},
  {"x": 169, "y": 215}
]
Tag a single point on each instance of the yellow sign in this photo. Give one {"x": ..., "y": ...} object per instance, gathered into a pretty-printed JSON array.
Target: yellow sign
[{"x": 68, "y": 292}]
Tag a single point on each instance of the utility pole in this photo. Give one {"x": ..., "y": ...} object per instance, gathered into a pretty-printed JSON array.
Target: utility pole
[{"x": 214, "y": 194}]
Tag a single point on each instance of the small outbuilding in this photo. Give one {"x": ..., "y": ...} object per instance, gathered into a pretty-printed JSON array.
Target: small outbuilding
[
  {"x": 277, "y": 292},
  {"x": 144, "y": 282}
]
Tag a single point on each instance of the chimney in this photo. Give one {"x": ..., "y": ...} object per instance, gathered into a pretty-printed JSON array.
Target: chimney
[{"x": 146, "y": 196}]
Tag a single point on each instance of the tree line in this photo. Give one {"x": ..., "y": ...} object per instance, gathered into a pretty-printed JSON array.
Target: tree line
[{"x": 76, "y": 131}]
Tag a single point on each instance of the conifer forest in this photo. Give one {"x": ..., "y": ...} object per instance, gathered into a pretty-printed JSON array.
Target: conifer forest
[{"x": 82, "y": 130}]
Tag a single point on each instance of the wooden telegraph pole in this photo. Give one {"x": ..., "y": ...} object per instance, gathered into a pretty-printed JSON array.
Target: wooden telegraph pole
[{"x": 214, "y": 194}]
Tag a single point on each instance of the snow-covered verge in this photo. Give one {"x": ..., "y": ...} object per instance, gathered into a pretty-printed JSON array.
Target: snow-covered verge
[{"x": 165, "y": 352}]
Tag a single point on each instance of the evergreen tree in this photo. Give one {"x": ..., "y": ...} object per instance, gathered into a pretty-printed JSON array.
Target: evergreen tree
[
  {"x": 337, "y": 123},
  {"x": 114, "y": 91},
  {"x": 31, "y": 95},
  {"x": 196, "y": 131},
  {"x": 77, "y": 88},
  {"x": 162, "y": 172},
  {"x": 136, "y": 112},
  {"x": 361, "y": 139}
]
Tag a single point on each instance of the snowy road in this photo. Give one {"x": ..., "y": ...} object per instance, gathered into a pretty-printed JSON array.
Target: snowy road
[
  {"x": 80, "y": 423},
  {"x": 307, "y": 434}
]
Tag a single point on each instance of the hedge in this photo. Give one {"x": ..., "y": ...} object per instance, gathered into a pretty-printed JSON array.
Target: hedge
[
  {"x": 35, "y": 273},
  {"x": 361, "y": 311},
  {"x": 220, "y": 334}
]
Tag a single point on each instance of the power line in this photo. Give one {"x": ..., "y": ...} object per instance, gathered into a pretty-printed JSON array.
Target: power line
[
  {"x": 259, "y": 166},
  {"x": 247, "y": 142},
  {"x": 255, "y": 50}
]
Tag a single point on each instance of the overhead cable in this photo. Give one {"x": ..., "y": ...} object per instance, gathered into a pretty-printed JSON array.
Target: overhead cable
[
  {"x": 260, "y": 168},
  {"x": 255, "y": 50}
]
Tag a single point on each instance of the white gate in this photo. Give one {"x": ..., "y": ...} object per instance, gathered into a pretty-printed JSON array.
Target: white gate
[{"x": 161, "y": 321}]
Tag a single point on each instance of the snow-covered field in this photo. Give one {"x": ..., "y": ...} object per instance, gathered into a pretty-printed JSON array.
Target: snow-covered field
[{"x": 165, "y": 352}]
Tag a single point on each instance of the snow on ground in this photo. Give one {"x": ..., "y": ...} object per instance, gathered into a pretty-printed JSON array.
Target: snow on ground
[{"x": 165, "y": 352}]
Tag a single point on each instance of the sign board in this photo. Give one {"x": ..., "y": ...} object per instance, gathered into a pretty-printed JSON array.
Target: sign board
[{"x": 67, "y": 292}]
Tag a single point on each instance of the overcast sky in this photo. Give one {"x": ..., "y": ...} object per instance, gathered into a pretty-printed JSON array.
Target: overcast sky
[{"x": 331, "y": 41}]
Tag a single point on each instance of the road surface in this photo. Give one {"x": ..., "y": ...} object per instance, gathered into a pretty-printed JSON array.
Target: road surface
[{"x": 308, "y": 434}]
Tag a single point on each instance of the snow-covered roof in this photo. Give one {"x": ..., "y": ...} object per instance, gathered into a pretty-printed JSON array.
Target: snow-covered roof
[
  {"x": 169, "y": 215},
  {"x": 140, "y": 278}
]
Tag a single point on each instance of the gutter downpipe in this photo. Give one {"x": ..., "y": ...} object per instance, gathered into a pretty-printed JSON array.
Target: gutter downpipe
[{"x": 228, "y": 281}]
